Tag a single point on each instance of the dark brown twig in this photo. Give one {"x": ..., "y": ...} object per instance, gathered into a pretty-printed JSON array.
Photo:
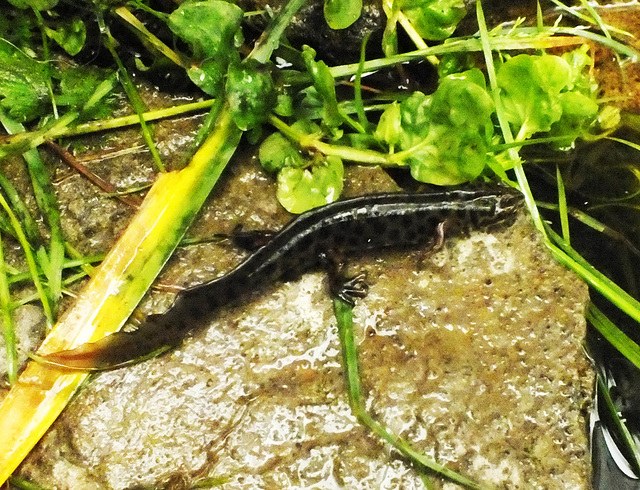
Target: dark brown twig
[{"x": 104, "y": 185}]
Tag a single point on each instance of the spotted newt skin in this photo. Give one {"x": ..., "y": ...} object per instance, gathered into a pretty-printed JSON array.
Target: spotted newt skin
[{"x": 347, "y": 226}]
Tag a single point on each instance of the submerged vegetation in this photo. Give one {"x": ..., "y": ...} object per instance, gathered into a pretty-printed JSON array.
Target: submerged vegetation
[{"x": 506, "y": 101}]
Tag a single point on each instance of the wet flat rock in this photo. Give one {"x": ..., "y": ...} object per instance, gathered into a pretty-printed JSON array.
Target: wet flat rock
[{"x": 472, "y": 352}]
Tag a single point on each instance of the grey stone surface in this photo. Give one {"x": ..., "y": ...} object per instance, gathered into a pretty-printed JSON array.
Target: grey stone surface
[{"x": 472, "y": 352}]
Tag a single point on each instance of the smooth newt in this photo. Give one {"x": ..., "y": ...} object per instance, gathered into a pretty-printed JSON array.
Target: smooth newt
[{"x": 350, "y": 225}]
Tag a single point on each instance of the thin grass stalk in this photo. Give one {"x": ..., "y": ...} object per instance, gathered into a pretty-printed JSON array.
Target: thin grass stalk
[
  {"x": 344, "y": 317},
  {"x": 23, "y": 484},
  {"x": 605, "y": 286},
  {"x": 562, "y": 207},
  {"x": 131, "y": 91},
  {"x": 113, "y": 123},
  {"x": 48, "y": 204},
  {"x": 6, "y": 313},
  {"x": 616, "y": 337},
  {"x": 29, "y": 257},
  {"x": 357, "y": 86},
  {"x": 632, "y": 455},
  {"x": 148, "y": 37}
]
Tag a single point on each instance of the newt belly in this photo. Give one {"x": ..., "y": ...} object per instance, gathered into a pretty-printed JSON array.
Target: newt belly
[{"x": 347, "y": 226}]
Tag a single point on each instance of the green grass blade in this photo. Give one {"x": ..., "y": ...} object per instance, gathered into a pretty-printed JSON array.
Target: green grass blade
[
  {"x": 357, "y": 86},
  {"x": 270, "y": 38},
  {"x": 131, "y": 91},
  {"x": 23, "y": 484},
  {"x": 594, "y": 224},
  {"x": 48, "y": 204},
  {"x": 44, "y": 193},
  {"x": 21, "y": 211},
  {"x": 114, "y": 123},
  {"x": 30, "y": 258},
  {"x": 562, "y": 207},
  {"x": 621, "y": 431},
  {"x": 605, "y": 286},
  {"x": 8, "y": 329},
  {"x": 344, "y": 317},
  {"x": 616, "y": 337}
]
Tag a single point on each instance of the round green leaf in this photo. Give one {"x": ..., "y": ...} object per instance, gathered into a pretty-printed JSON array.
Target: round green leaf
[
  {"x": 251, "y": 94},
  {"x": 451, "y": 159},
  {"x": 302, "y": 189},
  {"x": 70, "y": 36},
  {"x": 277, "y": 152},
  {"x": 340, "y": 14}
]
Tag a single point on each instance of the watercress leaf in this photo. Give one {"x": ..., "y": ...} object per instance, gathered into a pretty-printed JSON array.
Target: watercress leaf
[
  {"x": 433, "y": 19},
  {"x": 414, "y": 115},
  {"x": 325, "y": 86},
  {"x": 284, "y": 105},
  {"x": 308, "y": 103},
  {"x": 23, "y": 83},
  {"x": 578, "y": 60},
  {"x": 277, "y": 152},
  {"x": 449, "y": 158},
  {"x": 340, "y": 14},
  {"x": 251, "y": 93},
  {"x": 389, "y": 126},
  {"x": 77, "y": 86},
  {"x": 70, "y": 35},
  {"x": 551, "y": 72},
  {"x": 445, "y": 136},
  {"x": 307, "y": 126},
  {"x": 456, "y": 62},
  {"x": 578, "y": 112},
  {"x": 302, "y": 189},
  {"x": 473, "y": 75},
  {"x": 209, "y": 75},
  {"x": 530, "y": 87},
  {"x": 462, "y": 100},
  {"x": 211, "y": 29}
]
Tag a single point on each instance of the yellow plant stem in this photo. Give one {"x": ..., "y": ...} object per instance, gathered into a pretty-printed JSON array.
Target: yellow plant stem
[{"x": 41, "y": 392}]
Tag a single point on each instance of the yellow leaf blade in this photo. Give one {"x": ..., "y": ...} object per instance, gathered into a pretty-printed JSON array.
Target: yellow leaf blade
[{"x": 42, "y": 391}]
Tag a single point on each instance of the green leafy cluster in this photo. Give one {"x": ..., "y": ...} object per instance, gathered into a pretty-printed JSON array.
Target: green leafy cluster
[
  {"x": 434, "y": 20},
  {"x": 212, "y": 31},
  {"x": 302, "y": 183},
  {"x": 549, "y": 94},
  {"x": 445, "y": 136},
  {"x": 69, "y": 33},
  {"x": 305, "y": 183},
  {"x": 25, "y": 85}
]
